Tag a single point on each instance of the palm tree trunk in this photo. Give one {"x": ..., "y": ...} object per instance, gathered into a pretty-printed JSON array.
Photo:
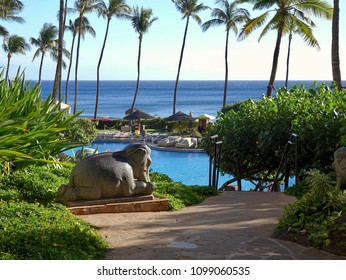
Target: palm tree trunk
[
  {"x": 40, "y": 69},
  {"x": 226, "y": 71},
  {"x": 275, "y": 61},
  {"x": 76, "y": 70},
  {"x": 180, "y": 62},
  {"x": 138, "y": 72},
  {"x": 335, "y": 46},
  {"x": 69, "y": 69},
  {"x": 60, "y": 48},
  {"x": 288, "y": 58},
  {"x": 8, "y": 66},
  {"x": 98, "y": 71},
  {"x": 64, "y": 24}
]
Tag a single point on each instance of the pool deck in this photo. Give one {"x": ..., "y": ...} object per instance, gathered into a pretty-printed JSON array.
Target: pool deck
[
  {"x": 150, "y": 140},
  {"x": 229, "y": 226}
]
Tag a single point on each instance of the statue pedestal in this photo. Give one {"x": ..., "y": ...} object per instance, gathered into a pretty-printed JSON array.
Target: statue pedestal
[{"x": 146, "y": 203}]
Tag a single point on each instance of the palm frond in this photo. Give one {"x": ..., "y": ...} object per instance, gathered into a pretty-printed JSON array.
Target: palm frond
[{"x": 252, "y": 25}]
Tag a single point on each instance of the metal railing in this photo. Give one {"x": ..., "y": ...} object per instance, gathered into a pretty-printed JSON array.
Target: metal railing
[{"x": 215, "y": 153}]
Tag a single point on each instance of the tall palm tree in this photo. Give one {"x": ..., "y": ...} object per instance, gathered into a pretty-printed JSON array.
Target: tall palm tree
[
  {"x": 335, "y": 46},
  {"x": 119, "y": 9},
  {"x": 73, "y": 27},
  {"x": 230, "y": 16},
  {"x": 82, "y": 7},
  {"x": 188, "y": 8},
  {"x": 141, "y": 19},
  {"x": 46, "y": 42},
  {"x": 305, "y": 31},
  {"x": 8, "y": 12},
  {"x": 14, "y": 45},
  {"x": 283, "y": 11},
  {"x": 60, "y": 50}
]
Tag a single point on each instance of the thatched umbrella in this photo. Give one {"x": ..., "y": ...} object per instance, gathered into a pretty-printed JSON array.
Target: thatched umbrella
[
  {"x": 138, "y": 115},
  {"x": 180, "y": 117}
]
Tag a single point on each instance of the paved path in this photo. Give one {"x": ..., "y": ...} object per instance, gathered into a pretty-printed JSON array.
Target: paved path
[{"x": 232, "y": 225}]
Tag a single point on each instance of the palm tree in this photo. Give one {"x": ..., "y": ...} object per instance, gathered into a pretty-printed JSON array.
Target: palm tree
[
  {"x": 335, "y": 46},
  {"x": 73, "y": 27},
  {"x": 3, "y": 31},
  {"x": 188, "y": 8},
  {"x": 8, "y": 12},
  {"x": 60, "y": 50},
  {"x": 116, "y": 8},
  {"x": 46, "y": 42},
  {"x": 283, "y": 11},
  {"x": 82, "y": 7},
  {"x": 14, "y": 45},
  {"x": 141, "y": 21},
  {"x": 230, "y": 16},
  {"x": 296, "y": 26}
]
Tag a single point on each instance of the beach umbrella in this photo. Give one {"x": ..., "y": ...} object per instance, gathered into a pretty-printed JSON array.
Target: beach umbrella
[
  {"x": 205, "y": 117},
  {"x": 180, "y": 117},
  {"x": 138, "y": 115},
  {"x": 127, "y": 112}
]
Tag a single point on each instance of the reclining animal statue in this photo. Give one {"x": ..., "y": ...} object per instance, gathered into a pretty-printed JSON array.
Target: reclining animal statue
[
  {"x": 339, "y": 166},
  {"x": 110, "y": 175}
]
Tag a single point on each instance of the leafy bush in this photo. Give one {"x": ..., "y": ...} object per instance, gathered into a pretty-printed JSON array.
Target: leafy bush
[
  {"x": 34, "y": 226},
  {"x": 179, "y": 195},
  {"x": 33, "y": 184},
  {"x": 254, "y": 133},
  {"x": 82, "y": 131},
  {"x": 30, "y": 128},
  {"x": 316, "y": 210},
  {"x": 32, "y": 231}
]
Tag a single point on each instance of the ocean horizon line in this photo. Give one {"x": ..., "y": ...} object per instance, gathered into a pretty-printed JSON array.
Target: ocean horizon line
[{"x": 195, "y": 80}]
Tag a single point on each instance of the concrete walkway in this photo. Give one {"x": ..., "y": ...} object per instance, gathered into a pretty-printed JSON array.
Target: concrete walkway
[{"x": 232, "y": 225}]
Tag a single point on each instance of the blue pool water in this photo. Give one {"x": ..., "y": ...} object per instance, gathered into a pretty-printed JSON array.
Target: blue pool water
[{"x": 187, "y": 168}]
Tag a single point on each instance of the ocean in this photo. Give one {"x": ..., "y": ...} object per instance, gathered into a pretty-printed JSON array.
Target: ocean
[{"x": 156, "y": 97}]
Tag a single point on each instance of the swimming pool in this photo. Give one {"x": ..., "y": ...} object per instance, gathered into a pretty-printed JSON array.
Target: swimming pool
[{"x": 185, "y": 167}]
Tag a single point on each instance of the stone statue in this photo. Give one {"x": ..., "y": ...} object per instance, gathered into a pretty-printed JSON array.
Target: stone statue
[
  {"x": 110, "y": 175},
  {"x": 339, "y": 166}
]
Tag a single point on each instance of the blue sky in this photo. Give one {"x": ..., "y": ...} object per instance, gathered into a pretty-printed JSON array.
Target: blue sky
[{"x": 204, "y": 51}]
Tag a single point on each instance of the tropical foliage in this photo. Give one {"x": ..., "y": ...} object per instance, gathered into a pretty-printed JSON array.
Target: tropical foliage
[
  {"x": 34, "y": 226},
  {"x": 115, "y": 8},
  {"x": 315, "y": 213},
  {"x": 189, "y": 9},
  {"x": 14, "y": 44},
  {"x": 254, "y": 133},
  {"x": 31, "y": 129},
  {"x": 141, "y": 20},
  {"x": 230, "y": 16},
  {"x": 8, "y": 12},
  {"x": 82, "y": 7},
  {"x": 284, "y": 13},
  {"x": 47, "y": 41}
]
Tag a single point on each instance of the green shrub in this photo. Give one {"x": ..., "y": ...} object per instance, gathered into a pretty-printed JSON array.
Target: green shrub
[
  {"x": 316, "y": 210},
  {"x": 179, "y": 195},
  {"x": 33, "y": 231},
  {"x": 33, "y": 184},
  {"x": 254, "y": 133},
  {"x": 82, "y": 130}
]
